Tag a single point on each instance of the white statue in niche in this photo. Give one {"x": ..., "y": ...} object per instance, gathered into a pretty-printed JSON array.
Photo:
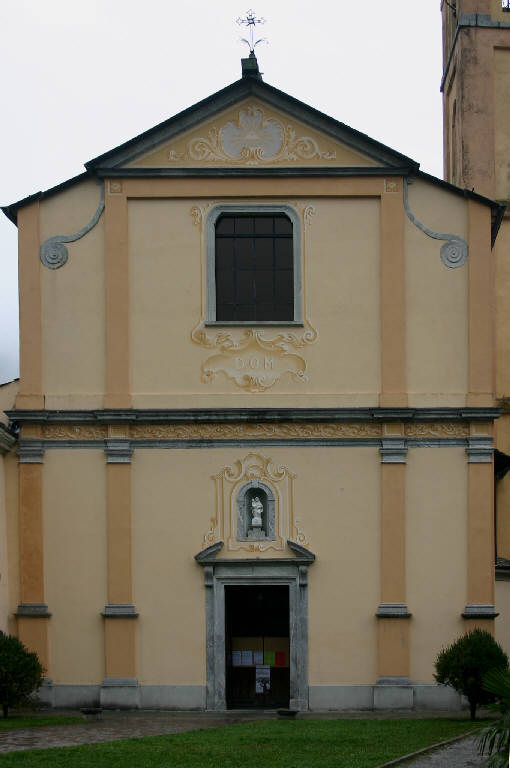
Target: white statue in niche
[{"x": 257, "y": 509}]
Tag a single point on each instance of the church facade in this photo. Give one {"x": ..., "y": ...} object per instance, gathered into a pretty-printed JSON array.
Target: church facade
[{"x": 256, "y": 417}]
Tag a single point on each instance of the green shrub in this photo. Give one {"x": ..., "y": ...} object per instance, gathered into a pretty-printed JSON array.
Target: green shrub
[
  {"x": 21, "y": 673},
  {"x": 463, "y": 664},
  {"x": 495, "y": 739}
]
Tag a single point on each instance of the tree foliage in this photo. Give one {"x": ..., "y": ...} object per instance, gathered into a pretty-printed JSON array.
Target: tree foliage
[
  {"x": 495, "y": 739},
  {"x": 21, "y": 673},
  {"x": 463, "y": 664}
]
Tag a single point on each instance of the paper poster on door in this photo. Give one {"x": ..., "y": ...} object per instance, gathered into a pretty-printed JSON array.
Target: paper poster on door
[{"x": 262, "y": 679}]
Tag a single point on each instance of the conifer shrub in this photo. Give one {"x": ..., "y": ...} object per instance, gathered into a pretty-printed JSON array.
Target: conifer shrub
[
  {"x": 21, "y": 674},
  {"x": 463, "y": 664}
]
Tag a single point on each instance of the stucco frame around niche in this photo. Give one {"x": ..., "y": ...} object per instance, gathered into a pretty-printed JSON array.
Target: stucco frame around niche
[
  {"x": 243, "y": 514},
  {"x": 218, "y": 574},
  {"x": 251, "y": 471},
  {"x": 210, "y": 230}
]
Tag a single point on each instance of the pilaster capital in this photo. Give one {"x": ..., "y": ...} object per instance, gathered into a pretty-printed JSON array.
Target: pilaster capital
[
  {"x": 393, "y": 611},
  {"x": 31, "y": 451},
  {"x": 480, "y": 450},
  {"x": 393, "y": 450},
  {"x": 33, "y": 611},
  {"x": 120, "y": 611},
  {"x": 118, "y": 450},
  {"x": 479, "y": 611}
]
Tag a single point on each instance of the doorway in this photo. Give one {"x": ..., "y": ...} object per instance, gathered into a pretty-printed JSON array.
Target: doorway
[{"x": 257, "y": 646}]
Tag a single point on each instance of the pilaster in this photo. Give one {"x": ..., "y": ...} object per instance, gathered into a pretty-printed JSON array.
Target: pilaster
[
  {"x": 393, "y": 304},
  {"x": 392, "y": 613},
  {"x": 120, "y": 686},
  {"x": 32, "y": 613},
  {"x": 479, "y": 610},
  {"x": 117, "y": 392},
  {"x": 30, "y": 393}
]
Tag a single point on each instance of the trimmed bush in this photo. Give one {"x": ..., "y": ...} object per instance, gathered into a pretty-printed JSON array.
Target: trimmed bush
[
  {"x": 463, "y": 664},
  {"x": 21, "y": 673}
]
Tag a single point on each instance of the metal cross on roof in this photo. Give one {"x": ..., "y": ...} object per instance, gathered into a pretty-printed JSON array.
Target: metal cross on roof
[{"x": 250, "y": 20}]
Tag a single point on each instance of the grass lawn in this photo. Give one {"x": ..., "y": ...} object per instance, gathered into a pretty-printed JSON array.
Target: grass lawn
[
  {"x": 31, "y": 721},
  {"x": 264, "y": 744}
]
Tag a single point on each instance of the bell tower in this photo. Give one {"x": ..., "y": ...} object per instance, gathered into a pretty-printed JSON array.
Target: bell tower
[
  {"x": 476, "y": 95},
  {"x": 476, "y": 134}
]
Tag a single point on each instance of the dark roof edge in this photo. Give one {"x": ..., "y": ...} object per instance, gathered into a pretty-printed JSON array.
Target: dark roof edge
[
  {"x": 498, "y": 209},
  {"x": 11, "y": 211},
  {"x": 261, "y": 89}
]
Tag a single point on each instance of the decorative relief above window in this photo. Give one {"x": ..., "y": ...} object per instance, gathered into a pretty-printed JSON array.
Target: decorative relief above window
[
  {"x": 254, "y": 509},
  {"x": 254, "y": 138},
  {"x": 232, "y": 265}
]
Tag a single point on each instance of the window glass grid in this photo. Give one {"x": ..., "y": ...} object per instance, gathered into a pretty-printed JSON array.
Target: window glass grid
[{"x": 254, "y": 268}]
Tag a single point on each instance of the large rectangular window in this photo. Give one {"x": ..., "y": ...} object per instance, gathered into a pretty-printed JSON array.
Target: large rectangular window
[{"x": 254, "y": 267}]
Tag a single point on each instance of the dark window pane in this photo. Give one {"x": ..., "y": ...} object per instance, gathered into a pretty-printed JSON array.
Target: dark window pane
[
  {"x": 265, "y": 312},
  {"x": 225, "y": 225},
  {"x": 283, "y": 312},
  {"x": 263, "y": 225},
  {"x": 225, "y": 290},
  {"x": 244, "y": 287},
  {"x": 264, "y": 289},
  {"x": 244, "y": 312},
  {"x": 244, "y": 225},
  {"x": 225, "y": 312},
  {"x": 284, "y": 289},
  {"x": 264, "y": 252},
  {"x": 244, "y": 253},
  {"x": 282, "y": 225},
  {"x": 224, "y": 252},
  {"x": 284, "y": 254}
]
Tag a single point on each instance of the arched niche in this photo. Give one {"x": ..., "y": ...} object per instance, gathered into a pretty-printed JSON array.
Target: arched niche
[{"x": 246, "y": 494}]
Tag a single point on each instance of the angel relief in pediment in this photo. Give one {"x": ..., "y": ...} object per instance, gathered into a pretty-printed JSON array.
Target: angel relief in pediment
[{"x": 252, "y": 139}]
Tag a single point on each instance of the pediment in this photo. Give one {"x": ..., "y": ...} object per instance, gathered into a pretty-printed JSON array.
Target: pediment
[
  {"x": 251, "y": 133},
  {"x": 248, "y": 124}
]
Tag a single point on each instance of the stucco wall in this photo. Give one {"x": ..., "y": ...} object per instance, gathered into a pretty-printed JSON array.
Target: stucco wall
[
  {"x": 436, "y": 302},
  {"x": 73, "y": 303},
  {"x": 436, "y": 545},
  {"x": 74, "y": 499}
]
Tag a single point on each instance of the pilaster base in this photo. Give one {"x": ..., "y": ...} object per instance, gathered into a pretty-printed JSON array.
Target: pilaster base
[
  {"x": 119, "y": 693},
  {"x": 393, "y": 696}
]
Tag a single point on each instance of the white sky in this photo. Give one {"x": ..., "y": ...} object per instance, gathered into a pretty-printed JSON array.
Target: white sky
[{"x": 82, "y": 76}]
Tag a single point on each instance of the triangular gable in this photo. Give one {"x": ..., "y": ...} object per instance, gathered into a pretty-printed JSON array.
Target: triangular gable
[
  {"x": 252, "y": 133},
  {"x": 289, "y": 128}
]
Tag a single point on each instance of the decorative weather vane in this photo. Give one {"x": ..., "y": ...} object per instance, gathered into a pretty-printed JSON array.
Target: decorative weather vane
[{"x": 250, "y": 20}]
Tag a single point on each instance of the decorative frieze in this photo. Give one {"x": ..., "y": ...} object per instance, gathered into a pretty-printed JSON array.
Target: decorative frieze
[
  {"x": 255, "y": 431},
  {"x": 74, "y": 432},
  {"x": 436, "y": 429}
]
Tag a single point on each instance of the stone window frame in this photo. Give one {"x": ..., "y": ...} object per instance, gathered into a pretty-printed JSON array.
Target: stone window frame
[
  {"x": 270, "y": 511},
  {"x": 252, "y": 208}
]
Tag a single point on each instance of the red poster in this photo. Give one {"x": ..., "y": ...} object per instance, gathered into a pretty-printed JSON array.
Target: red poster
[{"x": 279, "y": 658}]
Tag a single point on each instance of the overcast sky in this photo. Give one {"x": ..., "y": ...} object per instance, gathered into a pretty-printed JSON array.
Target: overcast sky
[{"x": 82, "y": 76}]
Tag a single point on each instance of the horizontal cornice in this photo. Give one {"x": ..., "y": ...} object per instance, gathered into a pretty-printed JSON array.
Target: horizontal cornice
[
  {"x": 251, "y": 172},
  {"x": 249, "y": 415}
]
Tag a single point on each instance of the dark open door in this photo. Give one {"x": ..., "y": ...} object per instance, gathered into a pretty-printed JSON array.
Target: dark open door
[{"x": 257, "y": 646}]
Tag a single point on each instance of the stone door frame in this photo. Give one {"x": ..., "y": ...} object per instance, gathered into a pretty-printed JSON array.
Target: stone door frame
[{"x": 219, "y": 573}]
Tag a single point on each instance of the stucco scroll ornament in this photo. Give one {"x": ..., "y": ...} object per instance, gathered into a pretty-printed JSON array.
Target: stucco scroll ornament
[
  {"x": 54, "y": 253},
  {"x": 454, "y": 252},
  {"x": 252, "y": 139}
]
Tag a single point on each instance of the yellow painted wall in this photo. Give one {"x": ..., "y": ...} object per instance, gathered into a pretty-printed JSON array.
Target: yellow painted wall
[
  {"x": 502, "y": 326},
  {"x": 436, "y": 301},
  {"x": 73, "y": 303},
  {"x": 342, "y": 303},
  {"x": 173, "y": 500},
  {"x": 74, "y": 508},
  {"x": 436, "y": 545}
]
